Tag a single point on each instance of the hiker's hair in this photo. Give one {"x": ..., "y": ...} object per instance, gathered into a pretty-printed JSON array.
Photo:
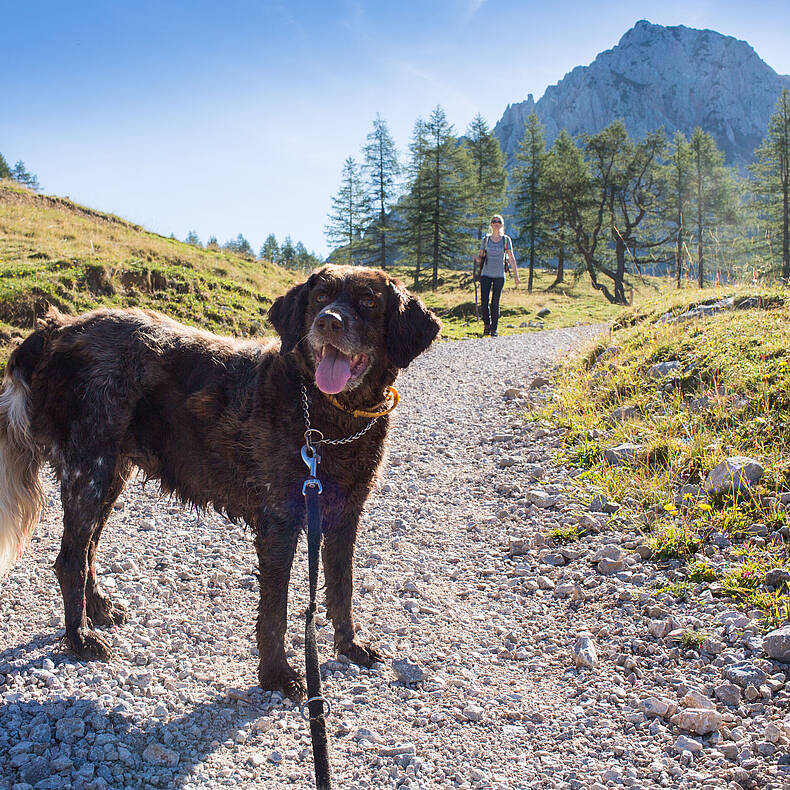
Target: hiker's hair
[{"x": 501, "y": 227}]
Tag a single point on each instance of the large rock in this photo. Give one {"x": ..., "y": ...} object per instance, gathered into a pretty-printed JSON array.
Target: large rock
[
  {"x": 658, "y": 707},
  {"x": 406, "y": 671},
  {"x": 585, "y": 653},
  {"x": 734, "y": 475},
  {"x": 157, "y": 754},
  {"x": 662, "y": 369},
  {"x": 676, "y": 77},
  {"x": 699, "y": 720},
  {"x": 744, "y": 673},
  {"x": 625, "y": 453},
  {"x": 623, "y": 413},
  {"x": 778, "y": 577},
  {"x": 777, "y": 644},
  {"x": 69, "y": 729}
]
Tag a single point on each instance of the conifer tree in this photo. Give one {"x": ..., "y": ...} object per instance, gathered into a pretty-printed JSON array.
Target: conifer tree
[
  {"x": 622, "y": 188},
  {"x": 448, "y": 193},
  {"x": 350, "y": 212},
  {"x": 771, "y": 172},
  {"x": 413, "y": 208},
  {"x": 5, "y": 170},
  {"x": 382, "y": 168},
  {"x": 240, "y": 246},
  {"x": 193, "y": 239},
  {"x": 566, "y": 185},
  {"x": 270, "y": 251},
  {"x": 488, "y": 174},
  {"x": 288, "y": 253},
  {"x": 712, "y": 190},
  {"x": 21, "y": 175},
  {"x": 527, "y": 187},
  {"x": 677, "y": 174},
  {"x": 212, "y": 243}
]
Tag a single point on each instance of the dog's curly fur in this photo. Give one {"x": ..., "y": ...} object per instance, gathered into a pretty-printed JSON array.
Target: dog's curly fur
[{"x": 219, "y": 423}]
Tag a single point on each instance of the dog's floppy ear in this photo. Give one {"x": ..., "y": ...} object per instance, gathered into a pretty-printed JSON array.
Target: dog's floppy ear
[
  {"x": 411, "y": 326},
  {"x": 287, "y": 314}
]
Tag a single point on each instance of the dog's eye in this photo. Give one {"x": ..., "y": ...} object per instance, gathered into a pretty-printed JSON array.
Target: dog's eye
[
  {"x": 370, "y": 302},
  {"x": 321, "y": 297}
]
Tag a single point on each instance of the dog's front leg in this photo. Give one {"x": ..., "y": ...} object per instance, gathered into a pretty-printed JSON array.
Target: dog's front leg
[
  {"x": 82, "y": 493},
  {"x": 338, "y": 558},
  {"x": 276, "y": 545}
]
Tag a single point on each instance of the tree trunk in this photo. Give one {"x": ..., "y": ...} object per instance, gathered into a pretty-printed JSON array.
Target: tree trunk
[
  {"x": 786, "y": 231},
  {"x": 531, "y": 259},
  {"x": 560, "y": 277},
  {"x": 700, "y": 269},
  {"x": 436, "y": 214},
  {"x": 619, "y": 279},
  {"x": 679, "y": 247}
]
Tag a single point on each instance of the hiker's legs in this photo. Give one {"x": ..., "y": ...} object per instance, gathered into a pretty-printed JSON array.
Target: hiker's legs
[
  {"x": 497, "y": 284},
  {"x": 485, "y": 290}
]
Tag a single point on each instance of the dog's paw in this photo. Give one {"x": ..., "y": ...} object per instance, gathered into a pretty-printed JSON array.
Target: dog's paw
[
  {"x": 88, "y": 645},
  {"x": 101, "y": 611},
  {"x": 359, "y": 653},
  {"x": 283, "y": 679}
]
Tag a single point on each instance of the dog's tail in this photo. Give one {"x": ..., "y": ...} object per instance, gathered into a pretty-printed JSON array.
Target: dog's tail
[{"x": 21, "y": 495}]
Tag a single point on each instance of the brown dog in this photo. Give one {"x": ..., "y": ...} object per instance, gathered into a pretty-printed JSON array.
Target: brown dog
[{"x": 219, "y": 422}]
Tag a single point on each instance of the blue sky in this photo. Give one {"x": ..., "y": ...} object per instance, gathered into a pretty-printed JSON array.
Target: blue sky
[{"x": 236, "y": 117}]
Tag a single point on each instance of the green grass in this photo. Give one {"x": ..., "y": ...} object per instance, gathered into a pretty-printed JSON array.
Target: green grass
[
  {"x": 701, "y": 572},
  {"x": 55, "y": 252},
  {"x": 673, "y": 542},
  {"x": 564, "y": 535},
  {"x": 692, "y": 640},
  {"x": 678, "y": 590},
  {"x": 730, "y": 396},
  {"x": 574, "y": 302}
]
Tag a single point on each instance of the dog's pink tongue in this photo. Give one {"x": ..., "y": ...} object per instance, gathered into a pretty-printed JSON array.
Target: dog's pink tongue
[{"x": 333, "y": 371}]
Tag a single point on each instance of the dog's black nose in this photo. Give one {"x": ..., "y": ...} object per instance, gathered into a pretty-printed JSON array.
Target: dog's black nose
[{"x": 329, "y": 321}]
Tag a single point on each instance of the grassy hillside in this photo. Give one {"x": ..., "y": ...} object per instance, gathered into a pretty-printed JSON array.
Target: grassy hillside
[
  {"x": 729, "y": 395},
  {"x": 53, "y": 251}
]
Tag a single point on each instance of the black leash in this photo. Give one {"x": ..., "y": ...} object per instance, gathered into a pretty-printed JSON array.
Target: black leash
[{"x": 313, "y": 708}]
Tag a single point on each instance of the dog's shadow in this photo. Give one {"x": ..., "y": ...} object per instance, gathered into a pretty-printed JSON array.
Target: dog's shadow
[{"x": 120, "y": 738}]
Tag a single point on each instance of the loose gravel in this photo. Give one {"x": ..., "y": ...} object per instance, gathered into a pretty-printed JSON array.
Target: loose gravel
[{"x": 512, "y": 662}]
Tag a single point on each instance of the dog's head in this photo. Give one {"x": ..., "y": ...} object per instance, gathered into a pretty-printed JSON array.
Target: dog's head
[{"x": 352, "y": 327}]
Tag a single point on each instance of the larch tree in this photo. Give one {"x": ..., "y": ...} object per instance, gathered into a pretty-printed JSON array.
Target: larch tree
[
  {"x": 527, "y": 199},
  {"x": 413, "y": 209},
  {"x": 382, "y": 169},
  {"x": 350, "y": 213},
  {"x": 448, "y": 193},
  {"x": 270, "y": 251},
  {"x": 488, "y": 174},
  {"x": 677, "y": 174},
  {"x": 566, "y": 186},
  {"x": 771, "y": 173},
  {"x": 711, "y": 190}
]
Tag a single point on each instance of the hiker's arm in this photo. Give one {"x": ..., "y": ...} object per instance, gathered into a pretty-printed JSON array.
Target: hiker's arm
[{"x": 512, "y": 258}]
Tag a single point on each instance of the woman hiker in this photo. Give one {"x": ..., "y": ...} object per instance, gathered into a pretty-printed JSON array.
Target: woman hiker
[{"x": 496, "y": 252}]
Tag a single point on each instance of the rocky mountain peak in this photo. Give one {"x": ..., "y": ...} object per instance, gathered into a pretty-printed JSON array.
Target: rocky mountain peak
[{"x": 676, "y": 77}]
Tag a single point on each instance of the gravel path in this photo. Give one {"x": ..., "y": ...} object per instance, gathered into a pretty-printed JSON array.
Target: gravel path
[{"x": 454, "y": 579}]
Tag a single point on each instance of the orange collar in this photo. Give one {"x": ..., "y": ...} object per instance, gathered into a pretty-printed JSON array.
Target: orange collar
[{"x": 391, "y": 399}]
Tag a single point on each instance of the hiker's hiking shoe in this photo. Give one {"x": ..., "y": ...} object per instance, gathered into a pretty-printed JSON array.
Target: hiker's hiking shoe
[
  {"x": 486, "y": 330},
  {"x": 494, "y": 333}
]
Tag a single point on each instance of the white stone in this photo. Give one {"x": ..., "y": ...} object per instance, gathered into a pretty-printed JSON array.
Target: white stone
[{"x": 698, "y": 720}]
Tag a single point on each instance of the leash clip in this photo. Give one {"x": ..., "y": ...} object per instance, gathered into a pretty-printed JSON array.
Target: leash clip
[
  {"x": 311, "y": 458},
  {"x": 304, "y": 711}
]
